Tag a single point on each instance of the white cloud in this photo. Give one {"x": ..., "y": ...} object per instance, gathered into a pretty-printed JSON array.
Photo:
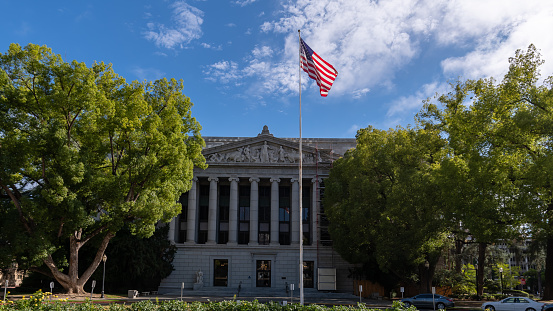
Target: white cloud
[
  {"x": 186, "y": 22},
  {"x": 223, "y": 72},
  {"x": 490, "y": 58},
  {"x": 369, "y": 41},
  {"x": 211, "y": 47},
  {"x": 372, "y": 43},
  {"x": 263, "y": 51},
  {"x": 244, "y": 2},
  {"x": 148, "y": 74},
  {"x": 353, "y": 130},
  {"x": 405, "y": 107},
  {"x": 360, "y": 93}
]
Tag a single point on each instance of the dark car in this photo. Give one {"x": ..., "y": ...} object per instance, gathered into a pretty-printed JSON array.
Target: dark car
[{"x": 426, "y": 301}]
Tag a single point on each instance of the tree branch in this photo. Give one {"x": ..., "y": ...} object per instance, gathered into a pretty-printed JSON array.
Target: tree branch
[
  {"x": 93, "y": 234},
  {"x": 17, "y": 204},
  {"x": 99, "y": 254}
]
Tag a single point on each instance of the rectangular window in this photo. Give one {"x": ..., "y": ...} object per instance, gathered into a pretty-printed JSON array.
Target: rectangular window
[
  {"x": 183, "y": 217},
  {"x": 284, "y": 201},
  {"x": 306, "y": 215},
  {"x": 244, "y": 195},
  {"x": 203, "y": 211},
  {"x": 324, "y": 235},
  {"x": 224, "y": 202},
  {"x": 244, "y": 214},
  {"x": 264, "y": 215},
  {"x": 264, "y": 204},
  {"x": 220, "y": 272}
]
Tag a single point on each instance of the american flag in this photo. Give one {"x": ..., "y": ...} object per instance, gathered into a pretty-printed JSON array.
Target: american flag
[{"x": 317, "y": 68}]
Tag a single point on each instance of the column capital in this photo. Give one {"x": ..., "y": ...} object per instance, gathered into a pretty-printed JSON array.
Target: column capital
[
  {"x": 275, "y": 180},
  {"x": 215, "y": 179},
  {"x": 195, "y": 179},
  {"x": 316, "y": 180},
  {"x": 231, "y": 179},
  {"x": 254, "y": 179},
  {"x": 293, "y": 180}
]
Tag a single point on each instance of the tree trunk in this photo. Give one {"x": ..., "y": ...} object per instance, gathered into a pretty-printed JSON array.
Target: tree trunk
[
  {"x": 71, "y": 282},
  {"x": 480, "y": 271},
  {"x": 426, "y": 275},
  {"x": 424, "y": 286},
  {"x": 548, "y": 288},
  {"x": 458, "y": 259}
]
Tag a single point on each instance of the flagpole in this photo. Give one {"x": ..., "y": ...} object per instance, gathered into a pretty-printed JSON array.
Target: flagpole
[{"x": 300, "y": 285}]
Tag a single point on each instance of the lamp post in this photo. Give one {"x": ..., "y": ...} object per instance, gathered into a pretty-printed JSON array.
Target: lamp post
[
  {"x": 501, "y": 279},
  {"x": 104, "y": 259},
  {"x": 427, "y": 266}
]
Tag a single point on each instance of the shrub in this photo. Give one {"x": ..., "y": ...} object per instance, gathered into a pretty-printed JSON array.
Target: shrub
[
  {"x": 32, "y": 304},
  {"x": 514, "y": 292}
]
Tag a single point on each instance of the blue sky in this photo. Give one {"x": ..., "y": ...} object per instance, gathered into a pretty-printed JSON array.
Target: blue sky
[{"x": 239, "y": 59}]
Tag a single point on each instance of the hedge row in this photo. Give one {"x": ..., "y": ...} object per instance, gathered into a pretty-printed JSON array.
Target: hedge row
[{"x": 176, "y": 305}]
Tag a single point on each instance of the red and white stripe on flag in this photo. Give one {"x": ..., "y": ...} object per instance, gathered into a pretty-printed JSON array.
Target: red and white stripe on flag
[{"x": 317, "y": 68}]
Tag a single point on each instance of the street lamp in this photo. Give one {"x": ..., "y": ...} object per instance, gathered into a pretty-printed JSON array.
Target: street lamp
[
  {"x": 104, "y": 259},
  {"x": 501, "y": 279},
  {"x": 427, "y": 266}
]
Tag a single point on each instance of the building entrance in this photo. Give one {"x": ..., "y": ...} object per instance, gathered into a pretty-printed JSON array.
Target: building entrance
[
  {"x": 220, "y": 272},
  {"x": 263, "y": 273}
]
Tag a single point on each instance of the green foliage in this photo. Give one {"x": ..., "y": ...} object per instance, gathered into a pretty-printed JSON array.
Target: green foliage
[
  {"x": 38, "y": 301},
  {"x": 508, "y": 275},
  {"x": 478, "y": 165},
  {"x": 497, "y": 176},
  {"x": 135, "y": 262},
  {"x": 176, "y": 305},
  {"x": 84, "y": 153},
  {"x": 382, "y": 201},
  {"x": 447, "y": 278}
]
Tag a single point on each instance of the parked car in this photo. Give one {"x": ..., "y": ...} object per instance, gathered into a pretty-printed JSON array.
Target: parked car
[
  {"x": 513, "y": 304},
  {"x": 547, "y": 307},
  {"x": 426, "y": 301}
]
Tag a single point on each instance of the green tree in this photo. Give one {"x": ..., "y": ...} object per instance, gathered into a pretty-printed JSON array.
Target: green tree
[
  {"x": 498, "y": 172},
  {"x": 84, "y": 153},
  {"x": 382, "y": 202},
  {"x": 138, "y": 263}
]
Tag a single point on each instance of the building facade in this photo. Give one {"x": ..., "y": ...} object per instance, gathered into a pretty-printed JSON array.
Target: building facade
[{"x": 240, "y": 222}]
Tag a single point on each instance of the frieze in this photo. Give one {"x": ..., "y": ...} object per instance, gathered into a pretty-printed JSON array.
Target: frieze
[{"x": 263, "y": 154}]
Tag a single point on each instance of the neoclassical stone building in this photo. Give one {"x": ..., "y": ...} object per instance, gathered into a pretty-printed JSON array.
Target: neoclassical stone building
[{"x": 239, "y": 224}]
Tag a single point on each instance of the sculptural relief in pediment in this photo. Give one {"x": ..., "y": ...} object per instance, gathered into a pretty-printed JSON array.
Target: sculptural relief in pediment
[{"x": 265, "y": 153}]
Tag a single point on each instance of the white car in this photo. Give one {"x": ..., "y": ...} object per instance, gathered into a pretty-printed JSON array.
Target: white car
[{"x": 513, "y": 304}]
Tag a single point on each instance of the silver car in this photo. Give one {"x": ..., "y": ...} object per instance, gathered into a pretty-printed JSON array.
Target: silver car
[
  {"x": 513, "y": 304},
  {"x": 426, "y": 301}
]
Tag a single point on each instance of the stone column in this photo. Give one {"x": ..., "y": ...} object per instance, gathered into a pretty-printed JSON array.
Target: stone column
[
  {"x": 315, "y": 211},
  {"x": 212, "y": 212},
  {"x": 254, "y": 210},
  {"x": 294, "y": 213},
  {"x": 274, "y": 211},
  {"x": 233, "y": 211},
  {"x": 192, "y": 210},
  {"x": 171, "y": 234}
]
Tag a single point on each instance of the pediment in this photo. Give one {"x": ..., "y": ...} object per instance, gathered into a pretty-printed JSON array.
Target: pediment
[{"x": 264, "y": 150}]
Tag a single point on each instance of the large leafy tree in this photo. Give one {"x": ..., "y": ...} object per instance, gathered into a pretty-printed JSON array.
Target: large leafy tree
[
  {"x": 498, "y": 174},
  {"x": 84, "y": 153},
  {"x": 476, "y": 178},
  {"x": 383, "y": 202}
]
